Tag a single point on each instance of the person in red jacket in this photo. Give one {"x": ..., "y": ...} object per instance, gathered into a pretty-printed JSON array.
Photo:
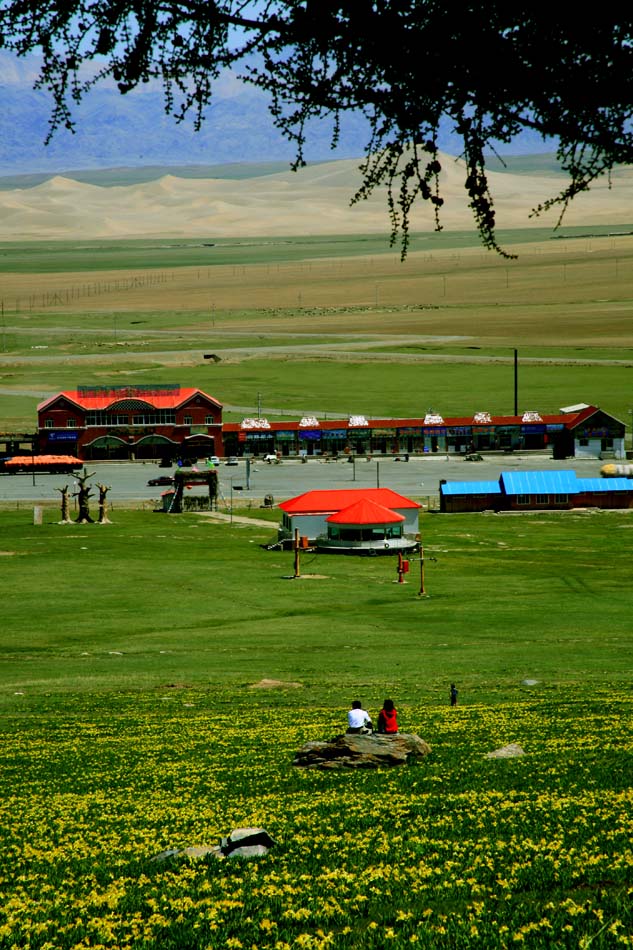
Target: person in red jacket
[{"x": 388, "y": 718}]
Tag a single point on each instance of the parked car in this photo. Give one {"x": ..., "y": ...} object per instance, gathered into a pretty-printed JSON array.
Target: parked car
[
  {"x": 231, "y": 460},
  {"x": 213, "y": 460},
  {"x": 162, "y": 480}
]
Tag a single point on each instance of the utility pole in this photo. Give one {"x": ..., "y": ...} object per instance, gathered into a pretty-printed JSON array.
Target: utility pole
[{"x": 297, "y": 554}]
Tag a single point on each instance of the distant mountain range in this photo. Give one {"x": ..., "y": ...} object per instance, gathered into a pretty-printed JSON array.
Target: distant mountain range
[{"x": 133, "y": 130}]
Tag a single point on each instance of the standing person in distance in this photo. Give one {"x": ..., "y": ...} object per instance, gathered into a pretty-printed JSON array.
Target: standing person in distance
[{"x": 453, "y": 694}]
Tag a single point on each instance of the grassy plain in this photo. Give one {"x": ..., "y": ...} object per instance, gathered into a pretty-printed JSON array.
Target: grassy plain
[
  {"x": 129, "y": 651},
  {"x": 149, "y": 586},
  {"x": 131, "y": 725}
]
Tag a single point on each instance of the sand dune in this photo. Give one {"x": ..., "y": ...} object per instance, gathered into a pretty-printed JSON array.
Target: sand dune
[{"x": 313, "y": 201}]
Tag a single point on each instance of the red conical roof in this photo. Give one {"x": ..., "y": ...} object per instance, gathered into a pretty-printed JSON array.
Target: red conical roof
[{"x": 365, "y": 512}]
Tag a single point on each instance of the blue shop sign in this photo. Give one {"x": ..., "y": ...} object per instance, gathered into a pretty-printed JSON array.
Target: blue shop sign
[{"x": 65, "y": 436}]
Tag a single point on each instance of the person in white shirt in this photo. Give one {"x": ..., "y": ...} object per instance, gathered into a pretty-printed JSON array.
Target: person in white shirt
[{"x": 359, "y": 720}]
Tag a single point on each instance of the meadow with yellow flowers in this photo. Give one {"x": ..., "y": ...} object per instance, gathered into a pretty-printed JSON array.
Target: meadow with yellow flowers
[{"x": 458, "y": 850}]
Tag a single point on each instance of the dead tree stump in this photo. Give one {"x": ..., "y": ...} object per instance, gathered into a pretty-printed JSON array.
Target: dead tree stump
[
  {"x": 103, "y": 503},
  {"x": 65, "y": 505},
  {"x": 83, "y": 496}
]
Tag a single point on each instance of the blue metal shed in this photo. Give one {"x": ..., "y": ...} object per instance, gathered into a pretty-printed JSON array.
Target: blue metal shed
[
  {"x": 604, "y": 484},
  {"x": 519, "y": 491},
  {"x": 470, "y": 488},
  {"x": 560, "y": 482}
]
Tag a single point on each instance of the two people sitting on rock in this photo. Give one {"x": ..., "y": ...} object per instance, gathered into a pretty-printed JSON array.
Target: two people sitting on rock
[{"x": 359, "y": 721}]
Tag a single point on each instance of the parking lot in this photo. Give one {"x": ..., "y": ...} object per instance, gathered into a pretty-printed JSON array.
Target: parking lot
[{"x": 419, "y": 477}]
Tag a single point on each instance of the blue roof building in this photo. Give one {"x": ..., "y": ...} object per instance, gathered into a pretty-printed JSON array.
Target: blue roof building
[{"x": 527, "y": 491}]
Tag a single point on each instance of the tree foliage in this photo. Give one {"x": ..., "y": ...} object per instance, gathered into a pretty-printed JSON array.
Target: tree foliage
[{"x": 490, "y": 70}]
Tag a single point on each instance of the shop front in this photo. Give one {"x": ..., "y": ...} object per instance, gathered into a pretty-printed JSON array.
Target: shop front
[
  {"x": 359, "y": 440},
  {"x": 309, "y": 441},
  {"x": 334, "y": 441},
  {"x": 459, "y": 439},
  {"x": 483, "y": 438},
  {"x": 434, "y": 439},
  {"x": 384, "y": 441},
  {"x": 256, "y": 443},
  {"x": 285, "y": 442},
  {"x": 411, "y": 440}
]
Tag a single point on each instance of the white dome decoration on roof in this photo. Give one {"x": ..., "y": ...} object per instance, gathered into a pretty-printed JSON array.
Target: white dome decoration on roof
[
  {"x": 482, "y": 417},
  {"x": 255, "y": 424},
  {"x": 531, "y": 416},
  {"x": 433, "y": 419},
  {"x": 309, "y": 422},
  {"x": 357, "y": 421}
]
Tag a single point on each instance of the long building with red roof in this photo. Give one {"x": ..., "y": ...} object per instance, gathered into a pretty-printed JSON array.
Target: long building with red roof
[
  {"x": 168, "y": 422},
  {"x": 576, "y": 431}
]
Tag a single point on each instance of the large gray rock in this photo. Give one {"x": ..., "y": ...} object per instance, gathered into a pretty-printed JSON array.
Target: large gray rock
[{"x": 361, "y": 752}]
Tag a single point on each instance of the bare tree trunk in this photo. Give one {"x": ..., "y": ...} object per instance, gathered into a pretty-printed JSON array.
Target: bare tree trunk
[
  {"x": 103, "y": 503},
  {"x": 65, "y": 505},
  {"x": 82, "y": 496}
]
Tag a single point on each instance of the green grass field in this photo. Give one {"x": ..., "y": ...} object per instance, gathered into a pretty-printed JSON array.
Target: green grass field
[
  {"x": 222, "y": 610},
  {"x": 49, "y": 257},
  {"x": 129, "y": 655}
]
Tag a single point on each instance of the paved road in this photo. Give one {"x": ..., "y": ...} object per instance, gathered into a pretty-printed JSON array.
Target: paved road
[{"x": 419, "y": 477}]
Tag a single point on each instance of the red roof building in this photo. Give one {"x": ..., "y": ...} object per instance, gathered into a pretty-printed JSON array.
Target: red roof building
[
  {"x": 172, "y": 421},
  {"x": 366, "y": 527},
  {"x": 577, "y": 431},
  {"x": 127, "y": 422},
  {"x": 352, "y": 515}
]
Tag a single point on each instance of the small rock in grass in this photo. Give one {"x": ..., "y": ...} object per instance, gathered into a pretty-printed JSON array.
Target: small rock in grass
[
  {"x": 510, "y": 751},
  {"x": 241, "y": 843}
]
